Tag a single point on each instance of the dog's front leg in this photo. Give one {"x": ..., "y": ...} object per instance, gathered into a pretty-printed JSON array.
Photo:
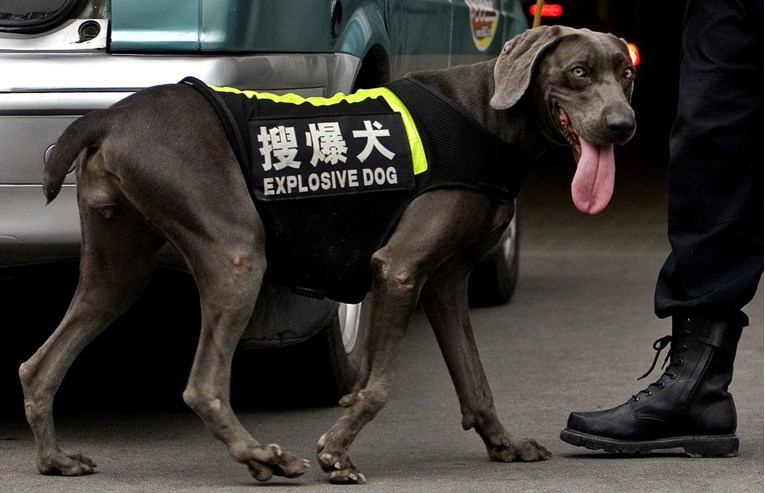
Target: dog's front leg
[
  {"x": 393, "y": 299},
  {"x": 445, "y": 304}
]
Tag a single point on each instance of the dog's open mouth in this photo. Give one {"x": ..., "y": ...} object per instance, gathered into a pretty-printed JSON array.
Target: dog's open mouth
[
  {"x": 593, "y": 183},
  {"x": 568, "y": 132}
]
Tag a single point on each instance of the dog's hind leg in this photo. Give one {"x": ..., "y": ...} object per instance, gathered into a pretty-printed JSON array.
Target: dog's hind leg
[
  {"x": 119, "y": 254},
  {"x": 229, "y": 273},
  {"x": 445, "y": 304}
]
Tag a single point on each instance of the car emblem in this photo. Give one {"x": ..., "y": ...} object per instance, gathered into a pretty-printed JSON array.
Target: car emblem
[{"x": 484, "y": 17}]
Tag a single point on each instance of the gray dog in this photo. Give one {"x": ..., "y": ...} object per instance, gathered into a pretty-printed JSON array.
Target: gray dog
[{"x": 158, "y": 168}]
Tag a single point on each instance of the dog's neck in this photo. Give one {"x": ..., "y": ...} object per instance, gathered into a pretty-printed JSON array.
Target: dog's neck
[{"x": 471, "y": 87}]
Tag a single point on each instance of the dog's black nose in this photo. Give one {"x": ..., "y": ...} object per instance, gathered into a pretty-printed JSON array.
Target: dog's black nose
[{"x": 620, "y": 125}]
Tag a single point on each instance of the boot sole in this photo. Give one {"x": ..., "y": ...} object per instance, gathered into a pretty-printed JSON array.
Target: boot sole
[{"x": 694, "y": 446}]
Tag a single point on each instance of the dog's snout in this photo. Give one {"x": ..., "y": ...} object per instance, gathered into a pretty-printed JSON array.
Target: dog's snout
[{"x": 620, "y": 125}]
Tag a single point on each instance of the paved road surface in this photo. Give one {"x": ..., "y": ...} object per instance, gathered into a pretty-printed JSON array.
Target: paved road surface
[{"x": 575, "y": 337}]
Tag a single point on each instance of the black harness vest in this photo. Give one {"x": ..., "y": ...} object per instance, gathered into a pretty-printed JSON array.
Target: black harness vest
[{"x": 322, "y": 246}]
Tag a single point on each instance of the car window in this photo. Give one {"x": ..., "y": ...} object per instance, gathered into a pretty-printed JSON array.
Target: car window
[{"x": 33, "y": 16}]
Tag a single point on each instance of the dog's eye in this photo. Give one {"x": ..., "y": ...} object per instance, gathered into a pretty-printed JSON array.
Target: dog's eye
[
  {"x": 629, "y": 73},
  {"x": 579, "y": 71}
]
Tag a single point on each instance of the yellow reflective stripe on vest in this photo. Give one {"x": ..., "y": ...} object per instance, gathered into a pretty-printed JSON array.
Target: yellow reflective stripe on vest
[{"x": 419, "y": 160}]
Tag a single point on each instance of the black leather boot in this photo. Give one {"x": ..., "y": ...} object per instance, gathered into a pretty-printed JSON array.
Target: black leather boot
[{"x": 689, "y": 407}]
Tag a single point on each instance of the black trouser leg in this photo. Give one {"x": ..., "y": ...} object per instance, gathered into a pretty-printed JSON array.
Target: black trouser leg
[{"x": 716, "y": 164}]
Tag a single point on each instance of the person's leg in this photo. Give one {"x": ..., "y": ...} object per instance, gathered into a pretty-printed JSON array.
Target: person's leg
[
  {"x": 716, "y": 171},
  {"x": 715, "y": 229}
]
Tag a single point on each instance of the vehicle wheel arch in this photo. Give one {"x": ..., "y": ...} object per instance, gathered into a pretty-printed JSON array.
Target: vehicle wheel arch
[
  {"x": 374, "y": 70},
  {"x": 363, "y": 33}
]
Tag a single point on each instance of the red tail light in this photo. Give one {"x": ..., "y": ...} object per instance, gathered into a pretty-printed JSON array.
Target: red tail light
[
  {"x": 548, "y": 10},
  {"x": 634, "y": 54}
]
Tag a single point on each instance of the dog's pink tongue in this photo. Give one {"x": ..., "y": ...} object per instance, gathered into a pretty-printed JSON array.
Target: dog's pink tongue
[{"x": 593, "y": 182}]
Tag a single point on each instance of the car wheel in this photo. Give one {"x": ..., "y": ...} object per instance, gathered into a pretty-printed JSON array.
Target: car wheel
[
  {"x": 321, "y": 369},
  {"x": 493, "y": 279},
  {"x": 347, "y": 341}
]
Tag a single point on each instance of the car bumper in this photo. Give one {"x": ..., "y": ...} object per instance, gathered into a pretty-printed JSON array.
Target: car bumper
[
  {"x": 42, "y": 93},
  {"x": 33, "y": 232}
]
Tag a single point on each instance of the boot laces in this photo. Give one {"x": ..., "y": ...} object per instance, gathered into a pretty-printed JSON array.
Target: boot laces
[{"x": 659, "y": 345}]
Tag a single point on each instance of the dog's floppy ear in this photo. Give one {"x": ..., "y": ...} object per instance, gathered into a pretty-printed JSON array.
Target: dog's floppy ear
[{"x": 512, "y": 72}]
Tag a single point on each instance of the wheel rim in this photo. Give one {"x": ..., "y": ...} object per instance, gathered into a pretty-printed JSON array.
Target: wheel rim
[
  {"x": 508, "y": 243},
  {"x": 349, "y": 316}
]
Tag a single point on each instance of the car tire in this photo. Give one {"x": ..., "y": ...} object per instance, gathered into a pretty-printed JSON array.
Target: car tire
[
  {"x": 322, "y": 369},
  {"x": 347, "y": 345}
]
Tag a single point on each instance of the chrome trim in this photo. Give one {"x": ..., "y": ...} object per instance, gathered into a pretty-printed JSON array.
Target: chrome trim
[{"x": 325, "y": 73}]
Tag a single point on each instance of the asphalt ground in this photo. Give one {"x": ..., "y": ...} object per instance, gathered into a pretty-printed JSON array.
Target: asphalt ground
[{"x": 576, "y": 335}]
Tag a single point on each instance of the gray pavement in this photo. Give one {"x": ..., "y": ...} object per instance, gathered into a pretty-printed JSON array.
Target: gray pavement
[{"x": 576, "y": 335}]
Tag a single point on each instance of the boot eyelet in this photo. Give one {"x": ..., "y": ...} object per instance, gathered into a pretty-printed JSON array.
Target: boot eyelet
[
  {"x": 680, "y": 362},
  {"x": 683, "y": 348},
  {"x": 648, "y": 392},
  {"x": 635, "y": 398},
  {"x": 672, "y": 375},
  {"x": 660, "y": 384}
]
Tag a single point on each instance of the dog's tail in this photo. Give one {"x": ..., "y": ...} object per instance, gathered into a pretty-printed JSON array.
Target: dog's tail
[{"x": 84, "y": 133}]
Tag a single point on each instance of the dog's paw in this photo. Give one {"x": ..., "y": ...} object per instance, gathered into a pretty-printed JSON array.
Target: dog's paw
[
  {"x": 265, "y": 461},
  {"x": 61, "y": 463},
  {"x": 290, "y": 465},
  {"x": 338, "y": 465},
  {"x": 524, "y": 450},
  {"x": 341, "y": 471},
  {"x": 347, "y": 476}
]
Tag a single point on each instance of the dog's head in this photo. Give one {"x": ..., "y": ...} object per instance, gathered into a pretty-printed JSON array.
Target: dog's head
[{"x": 582, "y": 82}]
